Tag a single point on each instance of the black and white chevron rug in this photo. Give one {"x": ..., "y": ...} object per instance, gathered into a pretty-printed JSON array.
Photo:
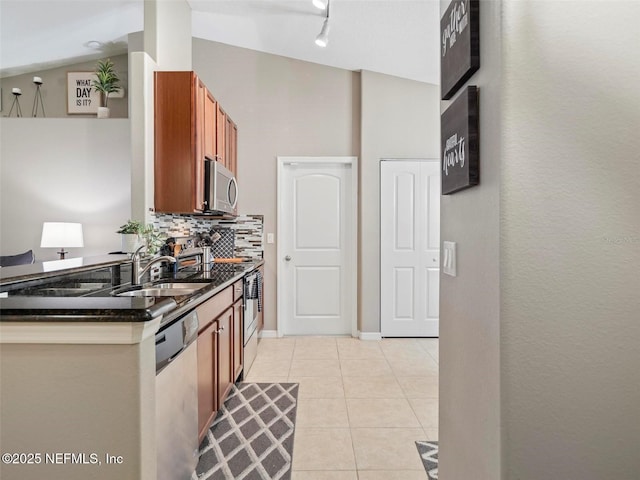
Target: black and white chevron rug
[
  {"x": 252, "y": 435},
  {"x": 429, "y": 454}
]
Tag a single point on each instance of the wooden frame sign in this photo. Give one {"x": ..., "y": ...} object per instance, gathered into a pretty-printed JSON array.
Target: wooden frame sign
[
  {"x": 81, "y": 96},
  {"x": 460, "y": 143},
  {"x": 459, "y": 45}
]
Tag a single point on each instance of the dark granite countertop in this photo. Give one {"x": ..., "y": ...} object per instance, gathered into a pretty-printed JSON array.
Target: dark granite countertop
[{"x": 101, "y": 306}]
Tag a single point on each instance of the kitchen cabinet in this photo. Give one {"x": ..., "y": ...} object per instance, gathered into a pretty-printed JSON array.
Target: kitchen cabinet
[
  {"x": 214, "y": 351},
  {"x": 220, "y": 351},
  {"x": 210, "y": 124},
  {"x": 232, "y": 141},
  {"x": 225, "y": 356},
  {"x": 180, "y": 129},
  {"x": 190, "y": 126},
  {"x": 221, "y": 136},
  {"x": 207, "y": 366}
]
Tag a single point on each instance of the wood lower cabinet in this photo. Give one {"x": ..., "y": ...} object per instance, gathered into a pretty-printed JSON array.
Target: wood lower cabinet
[
  {"x": 207, "y": 367},
  {"x": 220, "y": 351},
  {"x": 225, "y": 355}
]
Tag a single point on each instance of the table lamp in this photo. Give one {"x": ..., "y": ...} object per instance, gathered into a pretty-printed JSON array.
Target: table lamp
[{"x": 61, "y": 234}]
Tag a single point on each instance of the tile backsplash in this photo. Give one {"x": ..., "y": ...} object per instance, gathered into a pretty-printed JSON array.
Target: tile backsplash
[{"x": 247, "y": 232}]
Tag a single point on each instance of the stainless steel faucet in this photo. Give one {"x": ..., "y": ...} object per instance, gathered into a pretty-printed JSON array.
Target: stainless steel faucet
[{"x": 137, "y": 273}]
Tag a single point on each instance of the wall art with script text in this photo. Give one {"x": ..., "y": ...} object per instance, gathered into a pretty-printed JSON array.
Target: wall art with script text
[
  {"x": 459, "y": 45},
  {"x": 460, "y": 145}
]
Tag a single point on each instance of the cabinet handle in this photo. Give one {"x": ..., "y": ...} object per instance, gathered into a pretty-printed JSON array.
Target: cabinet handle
[{"x": 221, "y": 329}]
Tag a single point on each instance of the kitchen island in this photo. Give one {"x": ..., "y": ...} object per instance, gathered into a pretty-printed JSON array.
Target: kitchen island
[{"x": 78, "y": 370}]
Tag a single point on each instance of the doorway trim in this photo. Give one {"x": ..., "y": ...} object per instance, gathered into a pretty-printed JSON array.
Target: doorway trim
[{"x": 352, "y": 263}]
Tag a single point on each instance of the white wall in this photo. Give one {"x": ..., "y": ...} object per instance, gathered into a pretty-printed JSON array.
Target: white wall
[
  {"x": 570, "y": 251},
  {"x": 68, "y": 170},
  {"x": 539, "y": 357},
  {"x": 282, "y": 107},
  {"x": 399, "y": 120},
  {"x": 54, "y": 90},
  {"x": 469, "y": 427}
]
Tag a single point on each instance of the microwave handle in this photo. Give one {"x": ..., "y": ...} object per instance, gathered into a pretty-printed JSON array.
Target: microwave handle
[{"x": 235, "y": 200}]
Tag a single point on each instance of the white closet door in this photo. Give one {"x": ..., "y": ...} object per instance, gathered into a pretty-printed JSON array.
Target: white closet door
[{"x": 409, "y": 248}]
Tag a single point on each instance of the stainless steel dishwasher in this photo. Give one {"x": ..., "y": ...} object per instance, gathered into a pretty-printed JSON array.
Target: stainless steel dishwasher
[{"x": 177, "y": 398}]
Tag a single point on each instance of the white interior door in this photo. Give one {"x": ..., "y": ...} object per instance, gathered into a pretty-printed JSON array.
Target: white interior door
[
  {"x": 409, "y": 248},
  {"x": 316, "y": 249}
]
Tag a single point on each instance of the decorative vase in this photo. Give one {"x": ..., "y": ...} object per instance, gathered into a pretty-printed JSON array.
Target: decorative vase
[
  {"x": 130, "y": 242},
  {"x": 103, "y": 112}
]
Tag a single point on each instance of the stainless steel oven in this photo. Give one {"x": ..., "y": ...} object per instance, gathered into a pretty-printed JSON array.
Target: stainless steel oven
[{"x": 252, "y": 291}]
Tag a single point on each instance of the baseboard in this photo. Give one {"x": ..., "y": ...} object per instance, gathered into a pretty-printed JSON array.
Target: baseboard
[
  {"x": 370, "y": 336},
  {"x": 268, "y": 334}
]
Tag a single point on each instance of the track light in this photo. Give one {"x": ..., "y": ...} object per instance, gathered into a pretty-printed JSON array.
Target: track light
[
  {"x": 323, "y": 37},
  {"x": 321, "y": 4}
]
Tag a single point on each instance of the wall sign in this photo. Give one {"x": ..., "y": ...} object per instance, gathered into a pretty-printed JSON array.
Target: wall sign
[
  {"x": 459, "y": 45},
  {"x": 81, "y": 96},
  {"x": 460, "y": 143}
]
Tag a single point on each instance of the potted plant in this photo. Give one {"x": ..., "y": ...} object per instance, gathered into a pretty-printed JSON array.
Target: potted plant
[
  {"x": 130, "y": 233},
  {"x": 152, "y": 239},
  {"x": 106, "y": 82}
]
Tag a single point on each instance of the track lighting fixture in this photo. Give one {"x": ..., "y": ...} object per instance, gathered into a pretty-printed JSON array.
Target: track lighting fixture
[
  {"x": 323, "y": 37},
  {"x": 321, "y": 4}
]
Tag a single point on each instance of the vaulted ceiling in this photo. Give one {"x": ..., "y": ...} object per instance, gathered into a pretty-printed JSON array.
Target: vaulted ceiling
[{"x": 395, "y": 37}]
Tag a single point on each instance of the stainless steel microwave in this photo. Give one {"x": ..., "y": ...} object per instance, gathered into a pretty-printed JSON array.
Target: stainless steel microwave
[{"x": 220, "y": 189}]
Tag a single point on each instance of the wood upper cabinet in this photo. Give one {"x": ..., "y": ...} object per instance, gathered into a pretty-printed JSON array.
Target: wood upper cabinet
[
  {"x": 210, "y": 125},
  {"x": 180, "y": 130},
  {"x": 232, "y": 140},
  {"x": 221, "y": 136}
]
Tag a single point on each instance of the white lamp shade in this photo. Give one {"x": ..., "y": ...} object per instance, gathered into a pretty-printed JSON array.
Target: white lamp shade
[{"x": 61, "y": 234}]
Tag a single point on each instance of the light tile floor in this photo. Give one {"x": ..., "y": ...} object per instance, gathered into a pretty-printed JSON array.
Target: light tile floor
[{"x": 361, "y": 404}]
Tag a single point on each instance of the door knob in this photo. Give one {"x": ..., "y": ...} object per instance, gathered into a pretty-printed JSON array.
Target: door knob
[{"x": 287, "y": 258}]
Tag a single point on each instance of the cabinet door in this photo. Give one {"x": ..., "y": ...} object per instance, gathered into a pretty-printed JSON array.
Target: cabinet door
[
  {"x": 238, "y": 338},
  {"x": 233, "y": 148},
  {"x": 178, "y": 175},
  {"x": 207, "y": 365},
  {"x": 225, "y": 359},
  {"x": 210, "y": 129},
  {"x": 221, "y": 135}
]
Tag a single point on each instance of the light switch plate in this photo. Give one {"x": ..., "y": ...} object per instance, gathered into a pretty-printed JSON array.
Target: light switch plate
[
  {"x": 270, "y": 238},
  {"x": 449, "y": 258}
]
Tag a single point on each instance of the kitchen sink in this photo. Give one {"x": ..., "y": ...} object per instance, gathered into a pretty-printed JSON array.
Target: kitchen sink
[{"x": 168, "y": 289}]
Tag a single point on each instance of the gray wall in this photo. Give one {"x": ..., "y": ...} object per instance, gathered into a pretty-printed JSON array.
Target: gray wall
[
  {"x": 282, "y": 107},
  {"x": 570, "y": 238},
  {"x": 399, "y": 120},
  {"x": 470, "y": 303},
  {"x": 64, "y": 170},
  {"x": 54, "y": 90},
  {"x": 539, "y": 330}
]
